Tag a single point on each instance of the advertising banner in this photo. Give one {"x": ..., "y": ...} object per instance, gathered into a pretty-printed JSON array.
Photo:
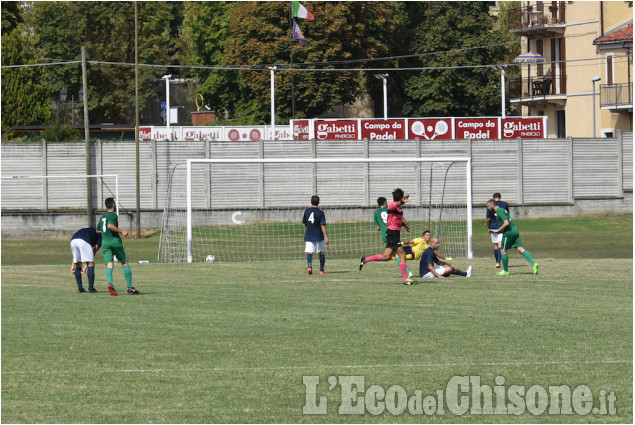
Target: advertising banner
[
  {"x": 243, "y": 133},
  {"x": 196, "y": 133},
  {"x": 282, "y": 132},
  {"x": 430, "y": 128},
  {"x": 161, "y": 133},
  {"x": 145, "y": 133},
  {"x": 337, "y": 130},
  {"x": 301, "y": 129},
  {"x": 476, "y": 128},
  {"x": 384, "y": 129},
  {"x": 525, "y": 128}
]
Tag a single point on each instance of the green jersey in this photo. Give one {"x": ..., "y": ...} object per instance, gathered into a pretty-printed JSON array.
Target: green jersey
[
  {"x": 381, "y": 220},
  {"x": 108, "y": 237},
  {"x": 501, "y": 215}
]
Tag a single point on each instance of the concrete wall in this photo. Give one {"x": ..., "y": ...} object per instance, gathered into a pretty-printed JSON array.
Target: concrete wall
[{"x": 552, "y": 177}]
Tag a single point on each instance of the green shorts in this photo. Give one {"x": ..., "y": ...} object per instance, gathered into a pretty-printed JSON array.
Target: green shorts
[
  {"x": 511, "y": 240},
  {"x": 110, "y": 253}
]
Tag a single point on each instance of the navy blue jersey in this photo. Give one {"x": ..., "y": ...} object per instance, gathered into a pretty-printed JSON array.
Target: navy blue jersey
[
  {"x": 313, "y": 219},
  {"x": 429, "y": 257},
  {"x": 90, "y": 235},
  {"x": 494, "y": 224}
]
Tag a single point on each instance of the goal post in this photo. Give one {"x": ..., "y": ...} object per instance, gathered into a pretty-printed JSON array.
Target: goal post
[{"x": 251, "y": 208}]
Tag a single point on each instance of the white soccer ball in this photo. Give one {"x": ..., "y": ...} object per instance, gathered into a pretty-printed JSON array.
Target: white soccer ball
[{"x": 210, "y": 259}]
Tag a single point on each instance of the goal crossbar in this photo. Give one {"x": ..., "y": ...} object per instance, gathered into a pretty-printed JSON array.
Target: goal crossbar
[{"x": 466, "y": 160}]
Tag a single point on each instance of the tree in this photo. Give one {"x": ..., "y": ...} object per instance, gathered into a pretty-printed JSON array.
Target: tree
[
  {"x": 458, "y": 29},
  {"x": 258, "y": 33},
  {"x": 24, "y": 90},
  {"x": 107, "y": 31}
]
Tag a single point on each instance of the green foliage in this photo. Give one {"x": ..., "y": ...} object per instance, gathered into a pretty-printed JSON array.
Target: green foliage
[
  {"x": 11, "y": 16},
  {"x": 24, "y": 90},
  {"x": 450, "y": 26},
  {"x": 61, "y": 133},
  {"x": 107, "y": 31},
  {"x": 256, "y": 33}
]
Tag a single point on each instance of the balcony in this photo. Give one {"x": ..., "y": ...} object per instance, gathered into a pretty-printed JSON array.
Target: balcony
[
  {"x": 541, "y": 19},
  {"x": 538, "y": 90},
  {"x": 616, "y": 97}
]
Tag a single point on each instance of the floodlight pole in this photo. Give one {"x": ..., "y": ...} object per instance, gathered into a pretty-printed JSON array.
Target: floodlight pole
[
  {"x": 593, "y": 81},
  {"x": 273, "y": 102},
  {"x": 167, "y": 104},
  {"x": 503, "y": 93}
]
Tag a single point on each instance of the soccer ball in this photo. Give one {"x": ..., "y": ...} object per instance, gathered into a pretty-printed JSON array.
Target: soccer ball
[{"x": 210, "y": 259}]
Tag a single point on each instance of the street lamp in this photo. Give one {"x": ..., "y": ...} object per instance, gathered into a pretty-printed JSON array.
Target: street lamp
[
  {"x": 593, "y": 81},
  {"x": 273, "y": 102},
  {"x": 167, "y": 103},
  {"x": 501, "y": 68},
  {"x": 385, "y": 78}
]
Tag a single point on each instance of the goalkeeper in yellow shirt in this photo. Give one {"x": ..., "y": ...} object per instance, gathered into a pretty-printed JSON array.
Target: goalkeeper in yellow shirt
[{"x": 417, "y": 246}]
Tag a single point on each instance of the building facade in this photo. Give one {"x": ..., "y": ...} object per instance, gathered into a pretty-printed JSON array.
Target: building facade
[{"x": 585, "y": 83}]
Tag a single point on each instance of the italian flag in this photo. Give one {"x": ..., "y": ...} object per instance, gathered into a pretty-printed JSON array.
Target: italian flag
[{"x": 300, "y": 11}]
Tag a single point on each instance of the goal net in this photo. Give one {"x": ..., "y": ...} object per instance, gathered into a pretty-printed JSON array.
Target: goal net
[{"x": 252, "y": 209}]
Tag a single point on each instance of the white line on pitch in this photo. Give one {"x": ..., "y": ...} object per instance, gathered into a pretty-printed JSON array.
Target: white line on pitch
[{"x": 377, "y": 366}]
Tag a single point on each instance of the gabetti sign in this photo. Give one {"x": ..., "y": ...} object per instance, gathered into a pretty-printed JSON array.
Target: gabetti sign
[
  {"x": 525, "y": 128},
  {"x": 430, "y": 129},
  {"x": 336, "y": 129}
]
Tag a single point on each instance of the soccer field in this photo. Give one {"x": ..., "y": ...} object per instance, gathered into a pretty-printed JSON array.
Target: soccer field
[{"x": 234, "y": 342}]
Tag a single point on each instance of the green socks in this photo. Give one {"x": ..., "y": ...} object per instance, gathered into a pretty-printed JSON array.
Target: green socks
[
  {"x": 127, "y": 273},
  {"x": 505, "y": 260},
  {"x": 528, "y": 257}
]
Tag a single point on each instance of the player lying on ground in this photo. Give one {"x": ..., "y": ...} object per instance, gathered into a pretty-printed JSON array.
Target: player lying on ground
[{"x": 435, "y": 267}]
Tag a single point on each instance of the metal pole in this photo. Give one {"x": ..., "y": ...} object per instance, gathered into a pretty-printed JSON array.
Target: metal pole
[
  {"x": 593, "y": 109},
  {"x": 503, "y": 93},
  {"x": 136, "y": 111},
  {"x": 273, "y": 102},
  {"x": 385, "y": 97},
  {"x": 89, "y": 188},
  {"x": 167, "y": 104}
]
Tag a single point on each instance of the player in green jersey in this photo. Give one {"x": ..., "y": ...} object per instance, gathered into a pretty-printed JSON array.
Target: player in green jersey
[
  {"x": 511, "y": 237},
  {"x": 111, "y": 246},
  {"x": 381, "y": 216}
]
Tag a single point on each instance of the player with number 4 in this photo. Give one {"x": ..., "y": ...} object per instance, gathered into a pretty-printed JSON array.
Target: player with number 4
[
  {"x": 111, "y": 246},
  {"x": 315, "y": 235}
]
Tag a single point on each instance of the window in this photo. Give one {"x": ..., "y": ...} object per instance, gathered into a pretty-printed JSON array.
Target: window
[
  {"x": 609, "y": 68},
  {"x": 561, "y": 132}
]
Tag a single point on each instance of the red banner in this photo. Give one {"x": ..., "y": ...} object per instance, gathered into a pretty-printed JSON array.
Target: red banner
[
  {"x": 301, "y": 129},
  {"x": 430, "y": 129},
  {"x": 336, "y": 130},
  {"x": 525, "y": 128},
  {"x": 384, "y": 129},
  {"x": 476, "y": 128}
]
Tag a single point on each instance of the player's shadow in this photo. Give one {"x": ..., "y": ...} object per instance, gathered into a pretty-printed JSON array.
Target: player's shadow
[{"x": 338, "y": 271}]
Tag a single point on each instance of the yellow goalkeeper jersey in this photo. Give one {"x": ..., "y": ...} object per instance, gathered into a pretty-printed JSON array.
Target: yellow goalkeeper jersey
[{"x": 418, "y": 246}]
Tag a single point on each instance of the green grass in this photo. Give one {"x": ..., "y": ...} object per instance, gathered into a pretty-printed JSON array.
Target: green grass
[{"x": 230, "y": 342}]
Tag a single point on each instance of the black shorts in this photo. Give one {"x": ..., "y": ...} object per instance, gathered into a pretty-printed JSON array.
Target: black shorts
[{"x": 393, "y": 239}]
